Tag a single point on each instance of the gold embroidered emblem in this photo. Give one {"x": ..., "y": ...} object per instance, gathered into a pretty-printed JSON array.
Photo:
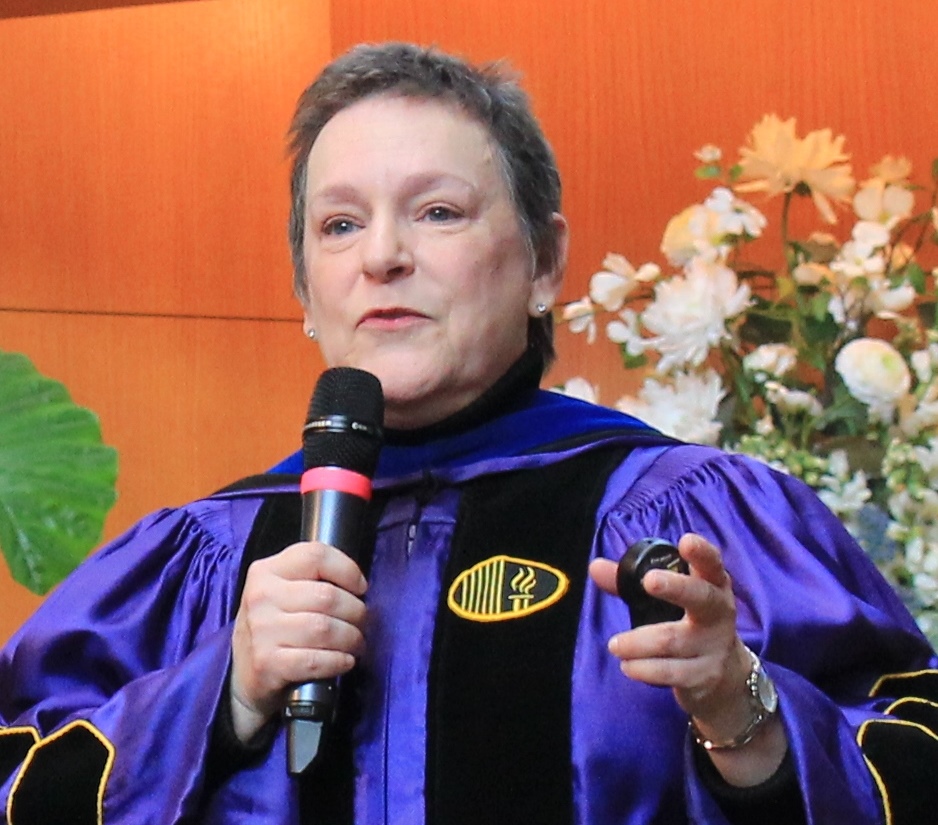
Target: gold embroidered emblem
[{"x": 504, "y": 587}]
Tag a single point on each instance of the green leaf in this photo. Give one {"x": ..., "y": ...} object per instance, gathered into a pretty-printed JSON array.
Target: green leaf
[
  {"x": 820, "y": 331},
  {"x": 846, "y": 416},
  {"x": 57, "y": 479},
  {"x": 766, "y": 326},
  {"x": 632, "y": 362},
  {"x": 926, "y": 312},
  {"x": 817, "y": 306},
  {"x": 934, "y": 170},
  {"x": 708, "y": 171},
  {"x": 915, "y": 275}
]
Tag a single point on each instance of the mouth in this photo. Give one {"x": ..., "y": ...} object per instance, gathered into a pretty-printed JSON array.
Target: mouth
[{"x": 391, "y": 317}]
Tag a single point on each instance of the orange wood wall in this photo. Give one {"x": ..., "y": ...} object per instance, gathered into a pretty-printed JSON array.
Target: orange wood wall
[{"x": 142, "y": 258}]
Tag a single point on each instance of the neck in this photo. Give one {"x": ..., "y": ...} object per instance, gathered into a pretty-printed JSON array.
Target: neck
[{"x": 521, "y": 379}]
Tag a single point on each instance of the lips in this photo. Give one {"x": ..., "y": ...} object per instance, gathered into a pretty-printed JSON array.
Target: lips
[{"x": 391, "y": 316}]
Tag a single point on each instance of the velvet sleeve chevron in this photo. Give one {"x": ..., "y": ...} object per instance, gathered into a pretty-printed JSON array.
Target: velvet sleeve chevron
[
  {"x": 902, "y": 747},
  {"x": 107, "y": 693}
]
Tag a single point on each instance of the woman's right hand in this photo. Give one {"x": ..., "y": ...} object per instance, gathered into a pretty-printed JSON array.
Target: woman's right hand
[{"x": 300, "y": 619}]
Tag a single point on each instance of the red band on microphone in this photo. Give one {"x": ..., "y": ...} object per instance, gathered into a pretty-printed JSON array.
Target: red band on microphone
[{"x": 338, "y": 479}]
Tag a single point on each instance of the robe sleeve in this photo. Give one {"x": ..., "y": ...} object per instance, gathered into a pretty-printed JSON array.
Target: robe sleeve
[
  {"x": 108, "y": 692},
  {"x": 856, "y": 679}
]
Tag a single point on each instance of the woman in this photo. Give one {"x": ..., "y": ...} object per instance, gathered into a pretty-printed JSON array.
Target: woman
[{"x": 429, "y": 248}]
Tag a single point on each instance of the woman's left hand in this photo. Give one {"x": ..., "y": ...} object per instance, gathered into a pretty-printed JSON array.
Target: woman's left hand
[{"x": 701, "y": 656}]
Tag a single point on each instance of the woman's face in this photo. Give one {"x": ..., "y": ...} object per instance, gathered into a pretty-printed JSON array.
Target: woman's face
[{"x": 416, "y": 266}]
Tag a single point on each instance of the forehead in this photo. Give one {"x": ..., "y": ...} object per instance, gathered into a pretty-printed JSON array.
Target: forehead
[{"x": 389, "y": 134}]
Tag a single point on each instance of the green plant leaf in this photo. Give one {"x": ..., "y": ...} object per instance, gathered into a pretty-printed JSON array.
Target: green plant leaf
[
  {"x": 767, "y": 326},
  {"x": 57, "y": 478},
  {"x": 926, "y": 314},
  {"x": 915, "y": 275},
  {"x": 632, "y": 362},
  {"x": 845, "y": 415},
  {"x": 708, "y": 171}
]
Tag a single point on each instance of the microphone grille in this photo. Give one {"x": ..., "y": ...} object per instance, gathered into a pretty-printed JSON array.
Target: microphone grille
[{"x": 343, "y": 425}]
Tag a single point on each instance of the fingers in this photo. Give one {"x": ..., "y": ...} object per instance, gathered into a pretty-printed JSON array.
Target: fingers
[
  {"x": 300, "y": 619},
  {"x": 706, "y": 594},
  {"x": 692, "y": 655},
  {"x": 704, "y": 558},
  {"x": 312, "y": 561},
  {"x": 603, "y": 573}
]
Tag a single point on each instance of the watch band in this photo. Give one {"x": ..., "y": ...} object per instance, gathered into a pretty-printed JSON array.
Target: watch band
[{"x": 761, "y": 714}]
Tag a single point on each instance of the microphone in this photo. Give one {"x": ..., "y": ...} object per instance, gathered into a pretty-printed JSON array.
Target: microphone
[{"x": 341, "y": 442}]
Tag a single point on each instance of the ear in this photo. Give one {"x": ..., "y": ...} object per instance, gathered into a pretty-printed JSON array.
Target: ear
[{"x": 548, "y": 280}]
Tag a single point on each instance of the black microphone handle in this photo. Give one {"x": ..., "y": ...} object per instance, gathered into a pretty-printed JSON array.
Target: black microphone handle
[{"x": 335, "y": 518}]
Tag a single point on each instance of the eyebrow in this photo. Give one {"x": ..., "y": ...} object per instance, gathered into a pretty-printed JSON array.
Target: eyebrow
[{"x": 413, "y": 185}]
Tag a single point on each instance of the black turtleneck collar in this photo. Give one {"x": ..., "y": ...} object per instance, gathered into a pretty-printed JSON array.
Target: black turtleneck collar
[{"x": 507, "y": 393}]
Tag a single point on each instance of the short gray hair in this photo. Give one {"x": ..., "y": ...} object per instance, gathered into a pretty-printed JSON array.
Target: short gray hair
[{"x": 488, "y": 94}]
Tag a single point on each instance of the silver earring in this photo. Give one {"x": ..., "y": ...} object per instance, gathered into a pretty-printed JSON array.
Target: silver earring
[
  {"x": 311, "y": 334},
  {"x": 541, "y": 308}
]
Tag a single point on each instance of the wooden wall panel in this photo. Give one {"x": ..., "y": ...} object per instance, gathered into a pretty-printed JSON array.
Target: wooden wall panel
[
  {"x": 29, "y": 8},
  {"x": 143, "y": 163},
  {"x": 143, "y": 256},
  {"x": 628, "y": 89}
]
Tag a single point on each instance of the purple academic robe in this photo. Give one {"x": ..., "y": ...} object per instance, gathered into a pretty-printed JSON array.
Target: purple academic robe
[{"x": 124, "y": 664}]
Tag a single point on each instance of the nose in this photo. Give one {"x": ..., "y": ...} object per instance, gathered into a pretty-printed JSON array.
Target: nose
[{"x": 386, "y": 252}]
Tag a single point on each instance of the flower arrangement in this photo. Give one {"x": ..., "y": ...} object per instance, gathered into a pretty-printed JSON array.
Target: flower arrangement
[{"x": 824, "y": 365}]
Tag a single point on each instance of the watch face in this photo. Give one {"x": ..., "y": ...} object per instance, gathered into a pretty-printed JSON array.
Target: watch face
[{"x": 768, "y": 696}]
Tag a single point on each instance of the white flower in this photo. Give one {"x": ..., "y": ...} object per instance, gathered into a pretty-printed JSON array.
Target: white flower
[
  {"x": 765, "y": 425},
  {"x": 924, "y": 362},
  {"x": 770, "y": 360},
  {"x": 847, "y": 498},
  {"x": 874, "y": 373},
  {"x": 792, "y": 402},
  {"x": 689, "y": 314},
  {"x": 870, "y": 234},
  {"x": 811, "y": 274},
  {"x": 886, "y": 302},
  {"x": 581, "y": 317},
  {"x": 693, "y": 233},
  {"x": 883, "y": 203},
  {"x": 838, "y": 464},
  {"x": 927, "y": 457},
  {"x": 843, "y": 492},
  {"x": 861, "y": 256},
  {"x": 626, "y": 331},
  {"x": 924, "y": 416},
  {"x": 685, "y": 407},
  {"x": 618, "y": 278},
  {"x": 709, "y": 153},
  {"x": 578, "y": 387},
  {"x": 734, "y": 215}
]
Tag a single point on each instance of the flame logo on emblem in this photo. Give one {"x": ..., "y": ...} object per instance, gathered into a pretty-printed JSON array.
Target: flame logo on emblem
[{"x": 504, "y": 587}]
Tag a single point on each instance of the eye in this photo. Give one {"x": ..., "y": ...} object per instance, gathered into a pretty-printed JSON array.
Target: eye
[
  {"x": 338, "y": 226},
  {"x": 441, "y": 214}
]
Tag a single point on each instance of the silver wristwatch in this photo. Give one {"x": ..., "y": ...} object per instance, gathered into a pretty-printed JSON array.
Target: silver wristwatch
[{"x": 763, "y": 700}]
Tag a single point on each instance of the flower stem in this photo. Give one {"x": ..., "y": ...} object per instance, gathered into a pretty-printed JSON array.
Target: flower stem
[{"x": 786, "y": 243}]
